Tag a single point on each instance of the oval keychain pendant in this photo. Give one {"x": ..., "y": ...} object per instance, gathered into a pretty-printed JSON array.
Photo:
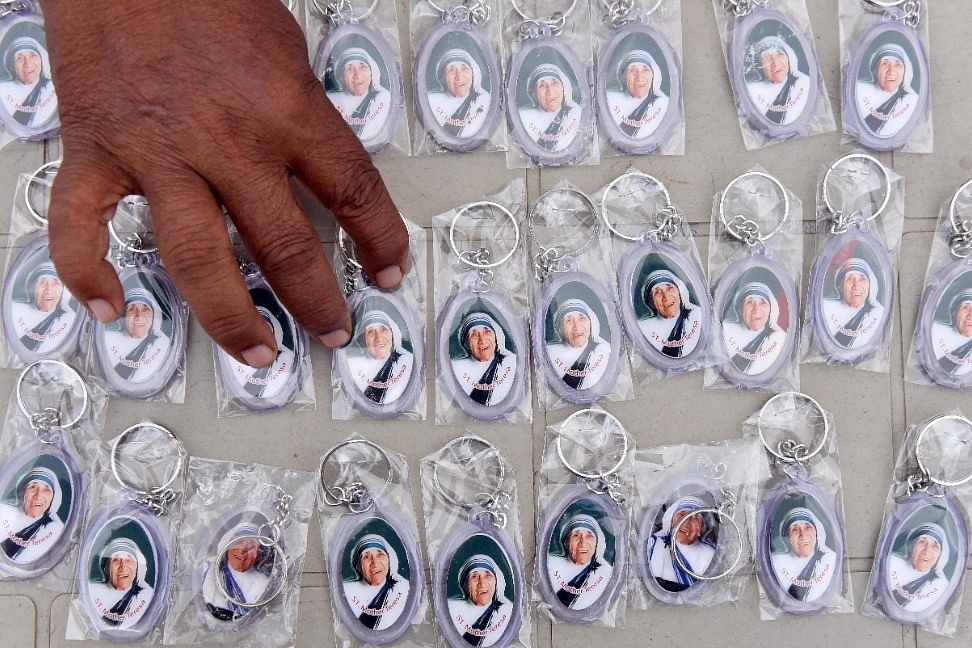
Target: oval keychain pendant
[
  {"x": 638, "y": 85},
  {"x": 548, "y": 94},
  {"x": 273, "y": 386},
  {"x": 774, "y": 72},
  {"x": 42, "y": 484},
  {"x": 28, "y": 101},
  {"x": 361, "y": 76},
  {"x": 851, "y": 282},
  {"x": 458, "y": 83},
  {"x": 125, "y": 566},
  {"x": 887, "y": 82},
  {"x": 41, "y": 319}
]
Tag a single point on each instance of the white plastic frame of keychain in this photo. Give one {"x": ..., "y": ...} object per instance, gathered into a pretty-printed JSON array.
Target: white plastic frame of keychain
[{"x": 24, "y": 25}]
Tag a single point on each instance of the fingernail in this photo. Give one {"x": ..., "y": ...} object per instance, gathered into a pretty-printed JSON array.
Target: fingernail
[
  {"x": 102, "y": 310},
  {"x": 259, "y": 356},
  {"x": 335, "y": 339},
  {"x": 389, "y": 277}
]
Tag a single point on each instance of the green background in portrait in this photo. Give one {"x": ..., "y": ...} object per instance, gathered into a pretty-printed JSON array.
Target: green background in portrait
[
  {"x": 263, "y": 296},
  {"x": 148, "y": 282},
  {"x": 638, "y": 41},
  {"x": 960, "y": 283},
  {"x": 763, "y": 276},
  {"x": 891, "y": 36},
  {"x": 772, "y": 27},
  {"x": 122, "y": 527},
  {"x": 575, "y": 290},
  {"x": 456, "y": 39},
  {"x": 847, "y": 251},
  {"x": 478, "y": 544},
  {"x": 379, "y": 527},
  {"x": 539, "y": 56},
  {"x": 19, "y": 293},
  {"x": 936, "y": 515},
  {"x": 584, "y": 507},
  {"x": 345, "y": 43},
  {"x": 23, "y": 28},
  {"x": 357, "y": 345},
  {"x": 787, "y": 504},
  {"x": 646, "y": 266},
  {"x": 473, "y": 305},
  {"x": 60, "y": 470}
]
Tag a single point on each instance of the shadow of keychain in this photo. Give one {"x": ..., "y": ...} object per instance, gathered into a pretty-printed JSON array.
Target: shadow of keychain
[
  {"x": 382, "y": 368},
  {"x": 758, "y": 285},
  {"x": 46, "y": 475},
  {"x": 577, "y": 341},
  {"x": 852, "y": 283},
  {"x": 125, "y": 566},
  {"x": 372, "y": 534},
  {"x": 655, "y": 276},
  {"x": 943, "y": 336},
  {"x": 139, "y": 352},
  {"x": 28, "y": 101},
  {"x": 773, "y": 68},
  {"x": 273, "y": 386},
  {"x": 459, "y": 123},
  {"x": 633, "y": 124},
  {"x": 887, "y": 82},
  {"x": 549, "y": 131},
  {"x": 485, "y": 389},
  {"x": 41, "y": 319},
  {"x": 582, "y": 539},
  {"x": 360, "y": 73},
  {"x": 479, "y": 583},
  {"x": 923, "y": 549},
  {"x": 800, "y": 544}
]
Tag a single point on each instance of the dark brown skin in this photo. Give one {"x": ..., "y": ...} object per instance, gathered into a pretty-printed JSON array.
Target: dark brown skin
[{"x": 197, "y": 104}]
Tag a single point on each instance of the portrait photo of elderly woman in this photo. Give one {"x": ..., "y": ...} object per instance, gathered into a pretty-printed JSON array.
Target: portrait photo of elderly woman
[
  {"x": 353, "y": 79},
  {"x": 244, "y": 570},
  {"x": 804, "y": 565},
  {"x": 920, "y": 566},
  {"x": 480, "y": 592},
  {"x": 888, "y": 84},
  {"x": 548, "y": 100},
  {"x": 483, "y": 356},
  {"x": 636, "y": 102},
  {"x": 122, "y": 580},
  {"x": 695, "y": 543},
  {"x": 580, "y": 559},
  {"x": 379, "y": 355},
  {"x": 853, "y": 307},
  {"x": 26, "y": 91},
  {"x": 375, "y": 576},
  {"x": 459, "y": 94},
  {"x": 33, "y": 510},
  {"x": 137, "y": 343},
  {"x": 753, "y": 324},
  {"x": 951, "y": 332},
  {"x": 578, "y": 343},
  {"x": 776, "y": 73},
  {"x": 668, "y": 317}
]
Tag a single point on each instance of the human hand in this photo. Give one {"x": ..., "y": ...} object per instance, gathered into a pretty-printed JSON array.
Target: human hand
[{"x": 199, "y": 104}]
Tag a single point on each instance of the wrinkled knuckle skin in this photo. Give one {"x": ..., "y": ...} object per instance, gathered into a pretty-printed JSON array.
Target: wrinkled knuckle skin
[
  {"x": 190, "y": 260},
  {"x": 286, "y": 258},
  {"x": 228, "y": 329},
  {"x": 324, "y": 315}
]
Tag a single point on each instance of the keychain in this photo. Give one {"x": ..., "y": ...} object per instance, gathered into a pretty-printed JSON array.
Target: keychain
[
  {"x": 479, "y": 583},
  {"x": 582, "y": 551},
  {"x": 887, "y": 82},
  {"x": 458, "y": 79},
  {"x": 382, "y": 367},
  {"x": 773, "y": 68},
  {"x": 685, "y": 543},
  {"x": 664, "y": 298},
  {"x": 28, "y": 101},
  {"x": 360, "y": 73},
  {"x": 481, "y": 341},
  {"x": 375, "y": 566},
  {"x": 576, "y": 332},
  {"x": 124, "y": 567},
  {"x": 42, "y": 483},
  {"x": 756, "y": 300},
  {"x": 800, "y": 549},
  {"x": 852, "y": 282},
  {"x": 638, "y": 86},
  {"x": 140, "y": 351},
  {"x": 273, "y": 386},
  {"x": 41, "y": 319},
  {"x": 943, "y": 336},
  {"x": 548, "y": 92},
  {"x": 923, "y": 549}
]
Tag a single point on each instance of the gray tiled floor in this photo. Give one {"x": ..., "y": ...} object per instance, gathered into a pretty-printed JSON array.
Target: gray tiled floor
[{"x": 871, "y": 410}]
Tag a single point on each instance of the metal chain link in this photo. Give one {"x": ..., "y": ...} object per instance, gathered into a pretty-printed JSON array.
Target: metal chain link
[
  {"x": 960, "y": 240},
  {"x": 156, "y": 500},
  {"x": 743, "y": 229},
  {"x": 337, "y": 11},
  {"x": 270, "y": 531},
  {"x": 669, "y": 221},
  {"x": 44, "y": 423},
  {"x": 717, "y": 472},
  {"x": 8, "y": 7},
  {"x": 793, "y": 450},
  {"x": 741, "y": 8},
  {"x": 550, "y": 26},
  {"x": 912, "y": 13},
  {"x": 496, "y": 508},
  {"x": 548, "y": 261},
  {"x": 618, "y": 12},
  {"x": 128, "y": 256},
  {"x": 479, "y": 257},
  {"x": 609, "y": 485}
]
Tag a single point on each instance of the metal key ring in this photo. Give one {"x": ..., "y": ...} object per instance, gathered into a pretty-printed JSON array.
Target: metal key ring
[
  {"x": 585, "y": 199},
  {"x": 754, "y": 174},
  {"x": 611, "y": 185},
  {"x": 609, "y": 4},
  {"x": 794, "y": 456},
  {"x": 478, "y": 14},
  {"x": 722, "y": 515},
  {"x": 557, "y": 16},
  {"x": 352, "y": 496},
  {"x": 48, "y": 169},
  {"x": 886, "y": 4},
  {"x": 825, "y": 193},
  {"x": 344, "y": 9},
  {"x": 496, "y": 492},
  {"x": 467, "y": 256},
  {"x": 274, "y": 587},
  {"x": 591, "y": 413},
  {"x": 134, "y": 242},
  {"x": 921, "y": 434},
  {"x": 55, "y": 419},
  {"x": 179, "y": 465},
  {"x": 959, "y": 225}
]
